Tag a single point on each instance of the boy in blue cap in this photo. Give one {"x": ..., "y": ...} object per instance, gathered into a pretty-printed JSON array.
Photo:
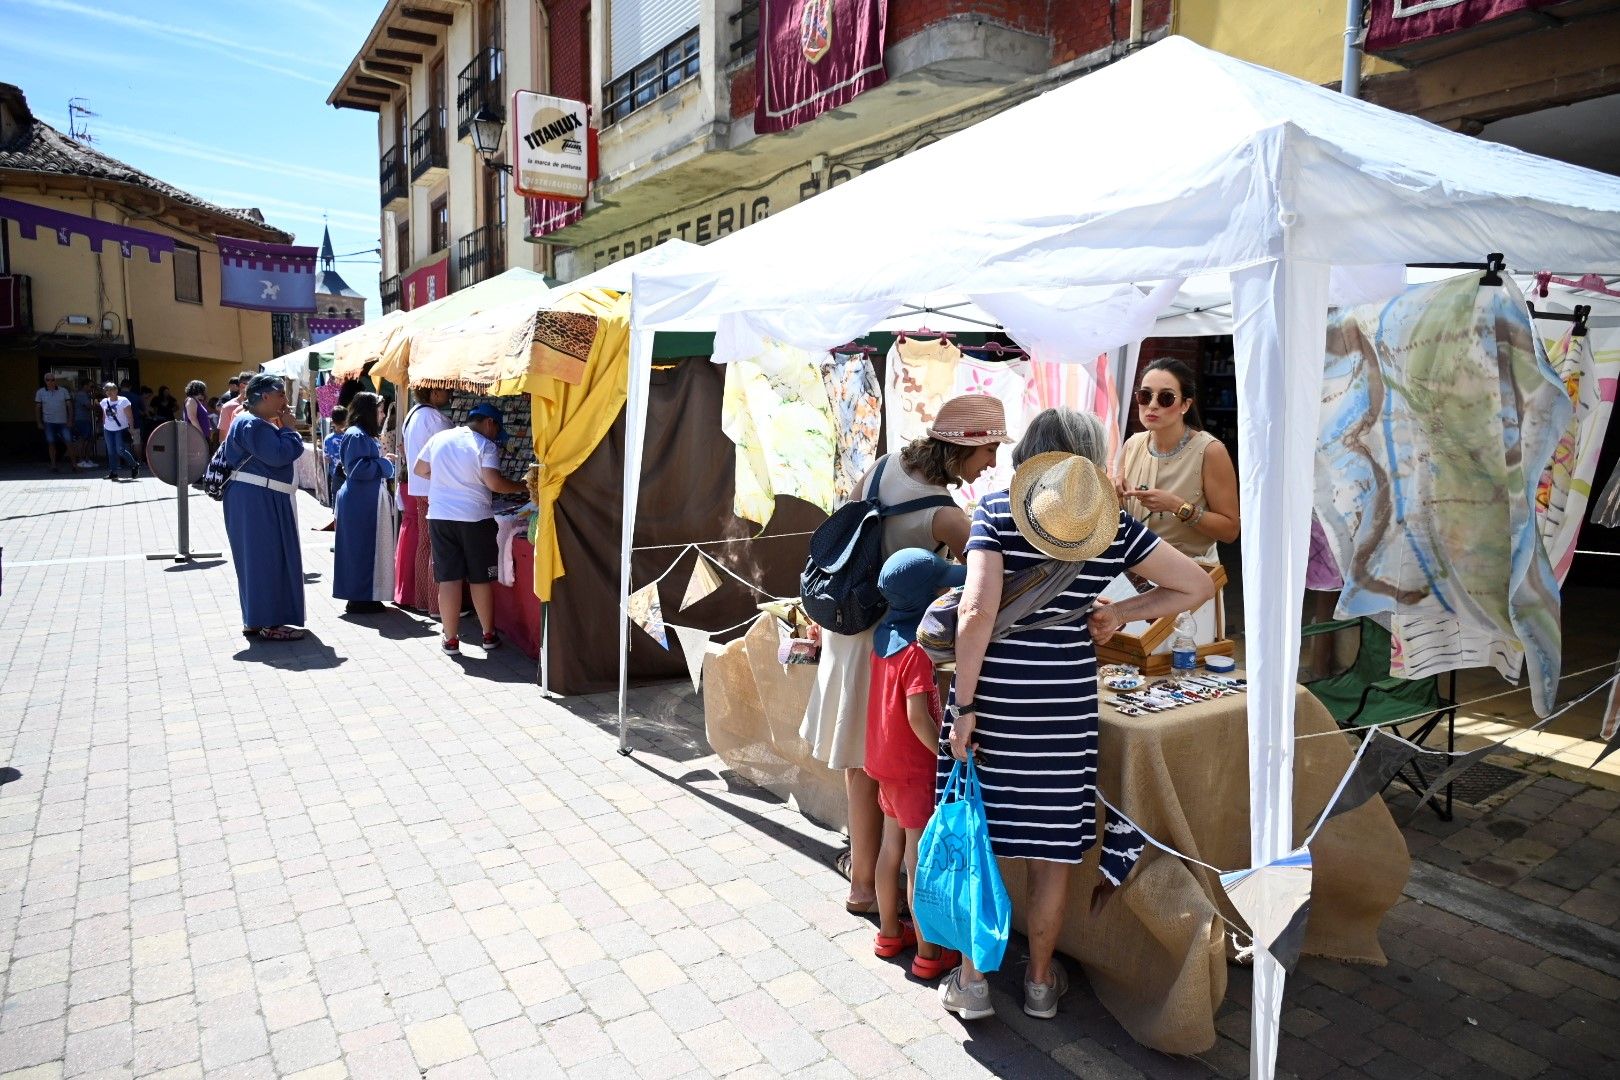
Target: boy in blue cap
[{"x": 903, "y": 717}]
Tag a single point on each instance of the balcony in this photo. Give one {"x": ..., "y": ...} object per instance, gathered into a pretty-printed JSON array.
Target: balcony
[
  {"x": 745, "y": 27},
  {"x": 480, "y": 254},
  {"x": 654, "y": 77},
  {"x": 429, "y": 158},
  {"x": 391, "y": 175},
  {"x": 481, "y": 85},
  {"x": 389, "y": 291}
]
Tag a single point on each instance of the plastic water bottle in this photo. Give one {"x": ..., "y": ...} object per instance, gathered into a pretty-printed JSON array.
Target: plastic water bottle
[{"x": 1183, "y": 644}]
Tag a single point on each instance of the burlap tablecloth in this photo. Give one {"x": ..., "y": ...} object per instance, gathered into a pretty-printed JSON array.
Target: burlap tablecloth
[{"x": 1156, "y": 956}]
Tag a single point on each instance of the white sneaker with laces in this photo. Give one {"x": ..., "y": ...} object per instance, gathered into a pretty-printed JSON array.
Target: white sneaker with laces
[{"x": 970, "y": 1001}]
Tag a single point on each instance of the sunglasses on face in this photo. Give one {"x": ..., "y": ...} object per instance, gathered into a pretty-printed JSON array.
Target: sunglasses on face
[{"x": 1166, "y": 398}]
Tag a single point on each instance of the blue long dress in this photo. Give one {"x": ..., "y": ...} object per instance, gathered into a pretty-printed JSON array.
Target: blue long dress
[
  {"x": 262, "y": 526},
  {"x": 354, "y": 575}
]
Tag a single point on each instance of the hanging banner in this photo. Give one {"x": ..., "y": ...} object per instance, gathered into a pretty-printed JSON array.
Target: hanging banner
[
  {"x": 701, "y": 584},
  {"x": 265, "y": 277},
  {"x": 547, "y": 216},
  {"x": 321, "y": 329},
  {"x": 695, "y": 646},
  {"x": 647, "y": 613},
  {"x": 550, "y": 146},
  {"x": 815, "y": 55},
  {"x": 1402, "y": 22},
  {"x": 425, "y": 284},
  {"x": 30, "y": 218},
  {"x": 1275, "y": 900}
]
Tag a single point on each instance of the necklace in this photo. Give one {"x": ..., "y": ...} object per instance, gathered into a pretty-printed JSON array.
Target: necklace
[{"x": 1174, "y": 450}]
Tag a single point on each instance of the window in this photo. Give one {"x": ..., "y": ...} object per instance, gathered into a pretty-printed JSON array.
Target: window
[
  {"x": 439, "y": 223},
  {"x": 402, "y": 244},
  {"x": 187, "y": 274}
]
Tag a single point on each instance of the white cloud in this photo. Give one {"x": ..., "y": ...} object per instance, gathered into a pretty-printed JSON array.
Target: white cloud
[
  {"x": 241, "y": 51},
  {"x": 173, "y": 144},
  {"x": 275, "y": 208}
]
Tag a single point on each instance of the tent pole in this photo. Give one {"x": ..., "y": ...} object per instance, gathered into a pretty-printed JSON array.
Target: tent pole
[{"x": 1279, "y": 332}]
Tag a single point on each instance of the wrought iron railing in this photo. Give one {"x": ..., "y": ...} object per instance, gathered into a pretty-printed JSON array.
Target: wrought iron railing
[
  {"x": 480, "y": 254},
  {"x": 427, "y": 143},
  {"x": 391, "y": 174},
  {"x": 389, "y": 290},
  {"x": 745, "y": 27},
  {"x": 481, "y": 85},
  {"x": 654, "y": 77}
]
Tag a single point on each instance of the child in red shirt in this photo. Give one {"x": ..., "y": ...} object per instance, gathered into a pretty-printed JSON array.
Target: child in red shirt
[{"x": 902, "y": 742}]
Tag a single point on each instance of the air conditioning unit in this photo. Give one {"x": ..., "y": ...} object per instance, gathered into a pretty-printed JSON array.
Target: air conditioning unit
[{"x": 16, "y": 305}]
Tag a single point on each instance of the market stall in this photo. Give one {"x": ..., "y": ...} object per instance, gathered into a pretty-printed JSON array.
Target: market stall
[{"x": 1219, "y": 168}]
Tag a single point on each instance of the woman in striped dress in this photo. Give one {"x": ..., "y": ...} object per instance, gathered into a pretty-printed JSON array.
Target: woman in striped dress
[{"x": 1026, "y": 705}]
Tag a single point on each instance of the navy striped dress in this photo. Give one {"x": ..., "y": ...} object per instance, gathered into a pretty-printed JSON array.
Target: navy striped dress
[{"x": 1037, "y": 711}]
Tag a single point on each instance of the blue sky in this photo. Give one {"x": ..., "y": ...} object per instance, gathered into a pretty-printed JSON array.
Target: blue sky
[{"x": 225, "y": 99}]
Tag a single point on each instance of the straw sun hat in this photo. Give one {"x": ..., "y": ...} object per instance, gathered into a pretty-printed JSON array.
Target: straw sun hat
[
  {"x": 1065, "y": 506},
  {"x": 970, "y": 420}
]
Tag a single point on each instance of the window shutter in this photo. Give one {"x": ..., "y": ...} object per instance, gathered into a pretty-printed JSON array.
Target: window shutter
[{"x": 639, "y": 28}]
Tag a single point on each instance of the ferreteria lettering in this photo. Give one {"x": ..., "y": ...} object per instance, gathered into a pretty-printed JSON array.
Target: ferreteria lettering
[{"x": 554, "y": 130}]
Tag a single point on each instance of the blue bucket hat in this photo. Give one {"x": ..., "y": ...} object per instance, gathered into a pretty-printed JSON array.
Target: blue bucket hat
[
  {"x": 490, "y": 412},
  {"x": 910, "y": 580}
]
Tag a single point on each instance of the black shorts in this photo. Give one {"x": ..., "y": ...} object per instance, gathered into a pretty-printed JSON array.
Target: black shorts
[{"x": 464, "y": 550}]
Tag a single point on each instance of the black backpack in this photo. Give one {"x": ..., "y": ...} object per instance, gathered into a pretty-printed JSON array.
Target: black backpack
[
  {"x": 217, "y": 476},
  {"x": 839, "y": 586}
]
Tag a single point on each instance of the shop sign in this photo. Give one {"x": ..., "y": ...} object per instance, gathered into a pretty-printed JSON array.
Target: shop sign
[
  {"x": 550, "y": 146},
  {"x": 425, "y": 284}
]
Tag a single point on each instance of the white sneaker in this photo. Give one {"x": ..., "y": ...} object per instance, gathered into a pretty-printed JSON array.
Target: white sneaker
[
  {"x": 1040, "y": 999},
  {"x": 970, "y": 1001}
]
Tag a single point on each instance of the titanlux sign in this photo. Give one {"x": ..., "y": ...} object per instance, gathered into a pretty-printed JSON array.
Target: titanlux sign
[{"x": 549, "y": 146}]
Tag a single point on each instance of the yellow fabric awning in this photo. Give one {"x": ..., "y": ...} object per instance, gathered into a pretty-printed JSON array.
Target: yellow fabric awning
[
  {"x": 457, "y": 346},
  {"x": 571, "y": 418},
  {"x": 353, "y": 349}
]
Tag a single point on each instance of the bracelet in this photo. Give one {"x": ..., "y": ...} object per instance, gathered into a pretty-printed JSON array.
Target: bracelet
[{"x": 1197, "y": 516}]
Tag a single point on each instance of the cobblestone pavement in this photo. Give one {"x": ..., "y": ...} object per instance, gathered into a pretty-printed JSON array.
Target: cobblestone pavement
[{"x": 354, "y": 856}]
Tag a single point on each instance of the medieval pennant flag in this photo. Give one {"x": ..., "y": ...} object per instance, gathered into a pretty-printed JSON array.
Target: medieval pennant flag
[
  {"x": 815, "y": 55},
  {"x": 1275, "y": 900},
  {"x": 647, "y": 613},
  {"x": 695, "y": 645},
  {"x": 702, "y": 583},
  {"x": 321, "y": 329},
  {"x": 30, "y": 218},
  {"x": 1382, "y": 756},
  {"x": 266, "y": 277}
]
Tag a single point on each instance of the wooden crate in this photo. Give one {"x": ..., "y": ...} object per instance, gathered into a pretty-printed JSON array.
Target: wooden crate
[{"x": 1138, "y": 649}]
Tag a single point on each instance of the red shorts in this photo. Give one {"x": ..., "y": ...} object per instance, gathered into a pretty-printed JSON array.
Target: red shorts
[{"x": 910, "y": 802}]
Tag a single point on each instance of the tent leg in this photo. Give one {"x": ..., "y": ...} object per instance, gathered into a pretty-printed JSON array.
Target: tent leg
[{"x": 1279, "y": 314}]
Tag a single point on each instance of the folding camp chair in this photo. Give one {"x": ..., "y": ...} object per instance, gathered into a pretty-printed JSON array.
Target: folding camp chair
[{"x": 1366, "y": 695}]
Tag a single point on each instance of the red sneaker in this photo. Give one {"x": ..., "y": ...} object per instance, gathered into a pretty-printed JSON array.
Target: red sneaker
[{"x": 450, "y": 645}]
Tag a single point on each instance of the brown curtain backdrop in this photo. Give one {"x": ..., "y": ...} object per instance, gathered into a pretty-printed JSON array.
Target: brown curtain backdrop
[{"x": 686, "y": 496}]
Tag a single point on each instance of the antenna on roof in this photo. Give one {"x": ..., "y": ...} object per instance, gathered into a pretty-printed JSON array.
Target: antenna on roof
[{"x": 78, "y": 111}]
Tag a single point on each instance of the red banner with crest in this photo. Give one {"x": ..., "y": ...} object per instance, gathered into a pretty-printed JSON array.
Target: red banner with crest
[
  {"x": 1393, "y": 23},
  {"x": 815, "y": 55}
]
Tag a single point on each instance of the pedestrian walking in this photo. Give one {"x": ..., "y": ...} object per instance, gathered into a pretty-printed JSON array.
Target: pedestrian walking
[
  {"x": 84, "y": 423},
  {"x": 53, "y": 412},
  {"x": 117, "y": 422},
  {"x": 363, "y": 569},
  {"x": 260, "y": 518},
  {"x": 462, "y": 465}
]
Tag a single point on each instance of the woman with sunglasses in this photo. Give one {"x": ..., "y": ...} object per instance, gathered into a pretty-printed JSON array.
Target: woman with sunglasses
[{"x": 1176, "y": 478}]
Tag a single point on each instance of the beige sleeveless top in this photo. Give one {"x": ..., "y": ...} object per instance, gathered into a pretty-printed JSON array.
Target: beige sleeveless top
[
  {"x": 1181, "y": 473},
  {"x": 915, "y": 529}
]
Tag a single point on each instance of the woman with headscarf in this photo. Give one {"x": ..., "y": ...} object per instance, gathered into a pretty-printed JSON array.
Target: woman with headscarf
[
  {"x": 959, "y": 446},
  {"x": 363, "y": 571},
  {"x": 260, "y": 519}
]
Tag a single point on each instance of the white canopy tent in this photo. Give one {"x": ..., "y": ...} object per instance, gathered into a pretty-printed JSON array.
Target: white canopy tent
[{"x": 1174, "y": 163}]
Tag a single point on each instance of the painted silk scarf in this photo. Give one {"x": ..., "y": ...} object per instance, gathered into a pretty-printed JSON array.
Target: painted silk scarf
[
  {"x": 856, "y": 398},
  {"x": 1439, "y": 414},
  {"x": 775, "y": 410},
  {"x": 1566, "y": 485}
]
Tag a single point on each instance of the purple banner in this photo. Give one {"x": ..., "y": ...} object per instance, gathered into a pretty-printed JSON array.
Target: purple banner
[
  {"x": 815, "y": 55},
  {"x": 266, "y": 277},
  {"x": 30, "y": 218},
  {"x": 546, "y": 216},
  {"x": 321, "y": 329},
  {"x": 1393, "y": 23}
]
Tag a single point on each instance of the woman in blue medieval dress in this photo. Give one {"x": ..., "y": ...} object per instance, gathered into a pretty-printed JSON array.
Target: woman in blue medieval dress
[
  {"x": 260, "y": 519},
  {"x": 363, "y": 570}
]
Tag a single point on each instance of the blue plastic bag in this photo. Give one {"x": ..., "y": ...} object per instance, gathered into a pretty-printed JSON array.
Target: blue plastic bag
[{"x": 958, "y": 899}]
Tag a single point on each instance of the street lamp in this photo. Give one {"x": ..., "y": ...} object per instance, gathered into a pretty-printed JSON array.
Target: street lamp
[{"x": 487, "y": 129}]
